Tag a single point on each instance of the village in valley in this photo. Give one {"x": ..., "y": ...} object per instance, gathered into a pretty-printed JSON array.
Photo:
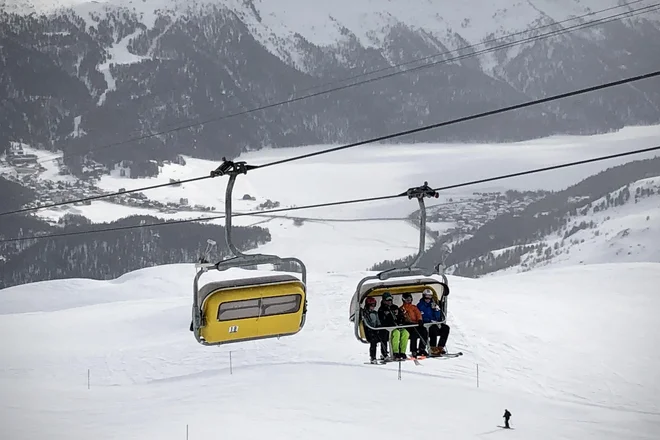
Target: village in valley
[
  {"x": 21, "y": 165},
  {"x": 25, "y": 168},
  {"x": 55, "y": 184},
  {"x": 461, "y": 216}
]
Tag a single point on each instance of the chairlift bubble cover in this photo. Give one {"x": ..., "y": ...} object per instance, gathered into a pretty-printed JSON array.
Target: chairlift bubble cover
[{"x": 251, "y": 308}]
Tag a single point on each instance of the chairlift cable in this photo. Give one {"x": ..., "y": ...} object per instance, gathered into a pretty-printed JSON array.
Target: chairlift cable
[
  {"x": 355, "y": 144},
  {"x": 344, "y": 202}
]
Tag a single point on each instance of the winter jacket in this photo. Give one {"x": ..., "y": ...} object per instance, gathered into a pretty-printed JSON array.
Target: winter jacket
[
  {"x": 389, "y": 315},
  {"x": 411, "y": 313},
  {"x": 371, "y": 317},
  {"x": 427, "y": 311}
]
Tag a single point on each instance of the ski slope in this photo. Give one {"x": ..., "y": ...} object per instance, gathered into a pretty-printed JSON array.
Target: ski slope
[{"x": 570, "y": 352}]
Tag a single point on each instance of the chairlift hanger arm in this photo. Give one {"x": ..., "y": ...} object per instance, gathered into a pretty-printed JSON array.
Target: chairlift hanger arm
[
  {"x": 231, "y": 168},
  {"x": 239, "y": 259},
  {"x": 420, "y": 192}
]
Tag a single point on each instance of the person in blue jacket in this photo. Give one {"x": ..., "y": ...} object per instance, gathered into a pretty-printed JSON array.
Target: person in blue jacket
[{"x": 431, "y": 312}]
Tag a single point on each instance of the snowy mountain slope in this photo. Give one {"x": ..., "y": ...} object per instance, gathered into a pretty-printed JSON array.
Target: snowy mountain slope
[
  {"x": 538, "y": 339},
  {"x": 286, "y": 26},
  {"x": 112, "y": 66},
  {"x": 621, "y": 227}
]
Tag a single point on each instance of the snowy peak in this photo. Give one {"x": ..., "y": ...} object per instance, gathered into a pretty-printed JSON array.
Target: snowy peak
[
  {"x": 324, "y": 24},
  {"x": 286, "y": 28}
]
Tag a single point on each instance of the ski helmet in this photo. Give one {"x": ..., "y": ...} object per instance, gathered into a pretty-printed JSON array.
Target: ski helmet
[
  {"x": 387, "y": 296},
  {"x": 427, "y": 293},
  {"x": 370, "y": 301},
  {"x": 406, "y": 295}
]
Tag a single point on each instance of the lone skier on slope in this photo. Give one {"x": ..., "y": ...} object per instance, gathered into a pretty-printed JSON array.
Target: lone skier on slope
[{"x": 507, "y": 416}]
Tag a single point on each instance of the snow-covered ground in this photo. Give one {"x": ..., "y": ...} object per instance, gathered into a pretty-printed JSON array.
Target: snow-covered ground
[{"x": 570, "y": 352}]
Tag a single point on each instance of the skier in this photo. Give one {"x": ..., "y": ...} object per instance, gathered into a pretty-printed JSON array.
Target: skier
[
  {"x": 390, "y": 317},
  {"x": 507, "y": 416},
  {"x": 430, "y": 310},
  {"x": 412, "y": 315},
  {"x": 370, "y": 317}
]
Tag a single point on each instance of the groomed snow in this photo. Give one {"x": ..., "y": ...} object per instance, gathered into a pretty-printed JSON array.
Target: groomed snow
[{"x": 571, "y": 353}]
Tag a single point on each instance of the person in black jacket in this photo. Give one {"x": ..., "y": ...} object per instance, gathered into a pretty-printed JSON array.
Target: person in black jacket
[
  {"x": 390, "y": 316},
  {"x": 375, "y": 337},
  {"x": 507, "y": 416}
]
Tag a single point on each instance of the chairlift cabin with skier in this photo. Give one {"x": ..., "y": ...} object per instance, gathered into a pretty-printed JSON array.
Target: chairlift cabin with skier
[
  {"x": 373, "y": 287},
  {"x": 400, "y": 280}
]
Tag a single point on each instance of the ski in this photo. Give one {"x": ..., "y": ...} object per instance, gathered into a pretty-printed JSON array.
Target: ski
[
  {"x": 446, "y": 355},
  {"x": 393, "y": 361},
  {"x": 418, "y": 358}
]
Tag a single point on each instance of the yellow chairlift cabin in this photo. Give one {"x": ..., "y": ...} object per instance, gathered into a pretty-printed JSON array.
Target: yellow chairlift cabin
[
  {"x": 399, "y": 280},
  {"x": 247, "y": 309}
]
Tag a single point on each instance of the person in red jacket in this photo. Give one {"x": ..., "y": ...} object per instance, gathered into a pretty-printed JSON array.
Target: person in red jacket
[{"x": 412, "y": 315}]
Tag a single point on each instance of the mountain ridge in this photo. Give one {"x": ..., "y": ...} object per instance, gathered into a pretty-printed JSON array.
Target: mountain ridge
[
  {"x": 118, "y": 74},
  {"x": 544, "y": 230}
]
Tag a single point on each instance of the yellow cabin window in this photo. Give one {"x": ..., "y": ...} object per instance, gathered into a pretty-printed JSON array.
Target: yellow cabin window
[{"x": 258, "y": 307}]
